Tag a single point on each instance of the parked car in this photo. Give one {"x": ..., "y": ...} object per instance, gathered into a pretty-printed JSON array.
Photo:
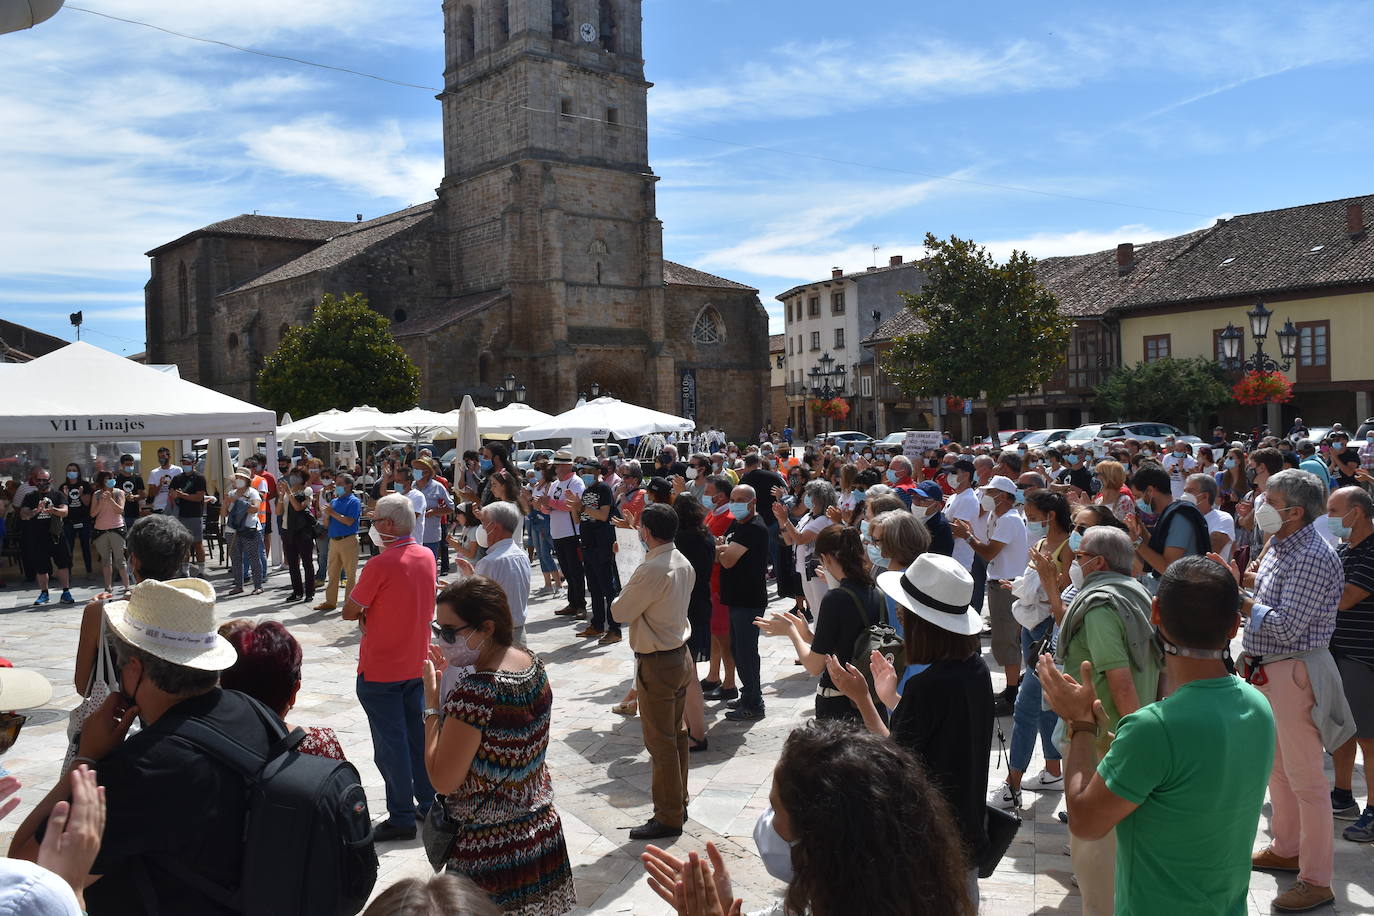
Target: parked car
[
  {"x": 847, "y": 439},
  {"x": 1043, "y": 437},
  {"x": 1102, "y": 433},
  {"x": 526, "y": 457},
  {"x": 1006, "y": 436},
  {"x": 891, "y": 440}
]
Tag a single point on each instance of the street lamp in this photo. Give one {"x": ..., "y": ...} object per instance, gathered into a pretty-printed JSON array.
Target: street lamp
[
  {"x": 521, "y": 392},
  {"x": 1260, "y": 361},
  {"x": 596, "y": 389},
  {"x": 821, "y": 378}
]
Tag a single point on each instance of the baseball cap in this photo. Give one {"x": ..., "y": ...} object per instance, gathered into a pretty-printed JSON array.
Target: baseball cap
[
  {"x": 660, "y": 488},
  {"x": 929, "y": 489},
  {"x": 1005, "y": 484}
]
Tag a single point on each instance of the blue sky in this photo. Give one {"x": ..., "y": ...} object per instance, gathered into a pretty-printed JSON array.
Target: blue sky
[{"x": 1072, "y": 126}]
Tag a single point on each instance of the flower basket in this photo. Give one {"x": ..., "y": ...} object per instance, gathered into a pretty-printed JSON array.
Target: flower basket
[
  {"x": 1257, "y": 388},
  {"x": 954, "y": 405},
  {"x": 834, "y": 408}
]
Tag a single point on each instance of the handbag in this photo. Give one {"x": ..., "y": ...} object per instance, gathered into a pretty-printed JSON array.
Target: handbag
[
  {"x": 97, "y": 692},
  {"x": 438, "y": 832},
  {"x": 878, "y": 636},
  {"x": 1001, "y": 829}
]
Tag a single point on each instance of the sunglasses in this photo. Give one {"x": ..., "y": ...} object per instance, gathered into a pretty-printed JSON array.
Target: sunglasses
[
  {"x": 10, "y": 724},
  {"x": 447, "y": 634}
]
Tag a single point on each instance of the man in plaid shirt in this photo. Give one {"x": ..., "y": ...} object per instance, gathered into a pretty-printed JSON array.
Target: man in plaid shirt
[{"x": 1288, "y": 626}]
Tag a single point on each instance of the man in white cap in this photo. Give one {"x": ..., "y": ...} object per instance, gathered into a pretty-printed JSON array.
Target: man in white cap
[
  {"x": 564, "y": 527},
  {"x": 171, "y": 805}
]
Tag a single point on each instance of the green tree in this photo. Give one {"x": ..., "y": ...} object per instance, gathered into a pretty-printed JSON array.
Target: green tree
[
  {"x": 344, "y": 357},
  {"x": 988, "y": 327},
  {"x": 1182, "y": 391}
]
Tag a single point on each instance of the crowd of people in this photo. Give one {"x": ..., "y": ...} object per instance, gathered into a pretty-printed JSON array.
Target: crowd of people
[{"x": 1109, "y": 579}]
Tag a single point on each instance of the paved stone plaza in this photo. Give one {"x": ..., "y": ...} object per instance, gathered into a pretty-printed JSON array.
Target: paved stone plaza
[{"x": 600, "y": 769}]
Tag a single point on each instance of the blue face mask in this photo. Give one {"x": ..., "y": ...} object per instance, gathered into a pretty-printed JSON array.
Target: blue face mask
[
  {"x": 484, "y": 464},
  {"x": 1335, "y": 524},
  {"x": 589, "y": 479},
  {"x": 416, "y": 475},
  {"x": 863, "y": 528},
  {"x": 110, "y": 483},
  {"x": 739, "y": 510},
  {"x": 1020, "y": 497},
  {"x": 1143, "y": 506},
  {"x": 1230, "y": 464},
  {"x": 1037, "y": 530},
  {"x": 875, "y": 556},
  {"x": 1075, "y": 539},
  {"x": 806, "y": 501},
  {"x": 1072, "y": 459},
  {"x": 891, "y": 476},
  {"x": 397, "y": 487}
]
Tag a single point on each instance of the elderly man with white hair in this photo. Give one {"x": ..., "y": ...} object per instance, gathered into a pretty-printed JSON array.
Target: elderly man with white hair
[
  {"x": 394, "y": 605},
  {"x": 899, "y": 477},
  {"x": 1288, "y": 626},
  {"x": 505, "y": 562}
]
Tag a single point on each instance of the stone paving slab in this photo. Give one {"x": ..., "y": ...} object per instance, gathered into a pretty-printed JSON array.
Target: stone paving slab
[{"x": 599, "y": 766}]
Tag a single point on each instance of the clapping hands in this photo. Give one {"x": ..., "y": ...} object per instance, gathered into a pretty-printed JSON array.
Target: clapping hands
[{"x": 694, "y": 887}]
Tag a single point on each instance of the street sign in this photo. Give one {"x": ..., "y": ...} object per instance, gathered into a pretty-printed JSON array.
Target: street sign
[{"x": 918, "y": 443}]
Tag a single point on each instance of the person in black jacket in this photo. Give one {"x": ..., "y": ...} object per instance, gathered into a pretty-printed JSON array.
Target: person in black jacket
[
  {"x": 1180, "y": 530},
  {"x": 928, "y": 505},
  {"x": 944, "y": 716}
]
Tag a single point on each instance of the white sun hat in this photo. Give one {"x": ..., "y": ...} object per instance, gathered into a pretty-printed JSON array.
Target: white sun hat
[
  {"x": 22, "y": 688},
  {"x": 175, "y": 621},
  {"x": 936, "y": 588}
]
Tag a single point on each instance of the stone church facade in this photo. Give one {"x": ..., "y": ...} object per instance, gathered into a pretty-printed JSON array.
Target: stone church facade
[{"x": 542, "y": 255}]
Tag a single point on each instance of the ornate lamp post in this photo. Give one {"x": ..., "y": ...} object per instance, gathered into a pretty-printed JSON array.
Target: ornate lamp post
[
  {"x": 821, "y": 377},
  {"x": 511, "y": 388},
  {"x": 1259, "y": 361}
]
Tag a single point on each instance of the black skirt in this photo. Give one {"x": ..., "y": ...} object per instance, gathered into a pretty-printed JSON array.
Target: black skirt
[
  {"x": 699, "y": 635},
  {"x": 788, "y": 579}
]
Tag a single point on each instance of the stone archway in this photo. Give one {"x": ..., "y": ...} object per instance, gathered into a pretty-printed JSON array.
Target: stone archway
[{"x": 625, "y": 380}]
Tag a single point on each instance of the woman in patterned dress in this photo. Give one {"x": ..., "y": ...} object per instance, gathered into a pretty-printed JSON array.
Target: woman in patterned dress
[{"x": 485, "y": 750}]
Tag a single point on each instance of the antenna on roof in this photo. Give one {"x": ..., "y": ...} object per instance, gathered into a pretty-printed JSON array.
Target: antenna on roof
[{"x": 875, "y": 255}]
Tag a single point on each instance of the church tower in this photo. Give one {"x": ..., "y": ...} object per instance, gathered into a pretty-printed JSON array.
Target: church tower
[{"x": 548, "y": 198}]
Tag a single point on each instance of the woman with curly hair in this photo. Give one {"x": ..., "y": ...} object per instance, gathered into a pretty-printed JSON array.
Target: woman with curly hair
[{"x": 855, "y": 826}]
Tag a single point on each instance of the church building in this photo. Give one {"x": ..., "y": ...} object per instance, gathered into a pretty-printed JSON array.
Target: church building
[{"x": 542, "y": 256}]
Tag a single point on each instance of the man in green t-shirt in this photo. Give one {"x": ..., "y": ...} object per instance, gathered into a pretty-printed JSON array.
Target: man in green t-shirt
[{"x": 1184, "y": 780}]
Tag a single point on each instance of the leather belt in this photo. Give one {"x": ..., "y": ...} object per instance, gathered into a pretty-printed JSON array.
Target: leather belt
[{"x": 661, "y": 652}]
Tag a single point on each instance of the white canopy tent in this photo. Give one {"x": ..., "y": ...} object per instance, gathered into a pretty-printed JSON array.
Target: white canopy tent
[
  {"x": 510, "y": 420},
  {"x": 605, "y": 417},
  {"x": 82, "y": 393}
]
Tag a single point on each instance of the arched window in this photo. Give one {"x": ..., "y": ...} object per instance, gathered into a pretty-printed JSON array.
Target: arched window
[
  {"x": 503, "y": 21},
  {"x": 561, "y": 22},
  {"x": 608, "y": 26},
  {"x": 233, "y": 341},
  {"x": 708, "y": 328},
  {"x": 183, "y": 297},
  {"x": 467, "y": 35}
]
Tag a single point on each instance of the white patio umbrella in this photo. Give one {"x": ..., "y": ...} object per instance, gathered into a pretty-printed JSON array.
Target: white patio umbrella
[
  {"x": 468, "y": 433},
  {"x": 606, "y": 417},
  {"x": 511, "y": 419}
]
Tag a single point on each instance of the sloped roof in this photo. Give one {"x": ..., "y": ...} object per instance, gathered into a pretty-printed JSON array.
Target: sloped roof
[
  {"x": 776, "y": 342},
  {"x": 856, "y": 275},
  {"x": 437, "y": 317},
  {"x": 675, "y": 274},
  {"x": 253, "y": 225},
  {"x": 343, "y": 246},
  {"x": 1253, "y": 254},
  {"x": 904, "y": 322}
]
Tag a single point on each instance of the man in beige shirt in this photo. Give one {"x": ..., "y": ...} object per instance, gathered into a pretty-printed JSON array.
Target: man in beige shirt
[{"x": 654, "y": 604}]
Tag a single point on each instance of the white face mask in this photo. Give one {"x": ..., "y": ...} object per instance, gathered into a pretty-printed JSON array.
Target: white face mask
[
  {"x": 987, "y": 501},
  {"x": 481, "y": 537},
  {"x": 775, "y": 852},
  {"x": 691, "y": 473},
  {"x": 1268, "y": 519},
  {"x": 919, "y": 511},
  {"x": 1076, "y": 575},
  {"x": 1188, "y": 498}
]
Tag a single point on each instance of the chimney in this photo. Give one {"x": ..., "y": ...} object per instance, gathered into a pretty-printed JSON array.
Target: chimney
[
  {"x": 836, "y": 273},
  {"x": 360, "y": 217},
  {"x": 1125, "y": 258},
  {"x": 1354, "y": 220},
  {"x": 873, "y": 268},
  {"x": 894, "y": 261}
]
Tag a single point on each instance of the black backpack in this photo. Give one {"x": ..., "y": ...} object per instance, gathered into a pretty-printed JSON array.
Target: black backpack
[{"x": 307, "y": 834}]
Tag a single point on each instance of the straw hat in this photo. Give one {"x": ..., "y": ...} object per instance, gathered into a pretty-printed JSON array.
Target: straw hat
[
  {"x": 21, "y": 688},
  {"x": 175, "y": 621},
  {"x": 245, "y": 473},
  {"x": 563, "y": 456},
  {"x": 936, "y": 588}
]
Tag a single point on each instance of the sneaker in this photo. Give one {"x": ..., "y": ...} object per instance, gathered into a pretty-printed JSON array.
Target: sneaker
[
  {"x": 41, "y": 599},
  {"x": 745, "y": 714},
  {"x": 1005, "y": 798},
  {"x": 1362, "y": 831},
  {"x": 1045, "y": 781},
  {"x": 1343, "y": 806},
  {"x": 1303, "y": 896},
  {"x": 609, "y": 639},
  {"x": 67, "y": 596}
]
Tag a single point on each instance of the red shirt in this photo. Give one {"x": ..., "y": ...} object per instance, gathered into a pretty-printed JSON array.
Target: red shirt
[
  {"x": 717, "y": 525},
  {"x": 397, "y": 589}
]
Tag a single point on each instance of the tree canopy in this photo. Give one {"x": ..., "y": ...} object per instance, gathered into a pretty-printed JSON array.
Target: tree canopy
[
  {"x": 1181, "y": 391},
  {"x": 987, "y": 327},
  {"x": 344, "y": 357}
]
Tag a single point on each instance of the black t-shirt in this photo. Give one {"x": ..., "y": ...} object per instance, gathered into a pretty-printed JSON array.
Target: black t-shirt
[
  {"x": 1081, "y": 477},
  {"x": 77, "y": 512},
  {"x": 945, "y": 719},
  {"x": 1354, "y": 636},
  {"x": 39, "y": 527},
  {"x": 676, "y": 469},
  {"x": 745, "y": 584},
  {"x": 839, "y": 621},
  {"x": 188, "y": 483},
  {"x": 166, "y": 799},
  {"x": 697, "y": 545},
  {"x": 763, "y": 483},
  {"x": 594, "y": 497},
  {"x": 130, "y": 484},
  {"x": 941, "y": 535}
]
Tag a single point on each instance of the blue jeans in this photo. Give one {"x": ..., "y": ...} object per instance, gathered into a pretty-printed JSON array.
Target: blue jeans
[
  {"x": 1028, "y": 717},
  {"x": 246, "y": 550},
  {"x": 393, "y": 712},
  {"x": 434, "y": 549},
  {"x": 744, "y": 645},
  {"x": 538, "y": 528}
]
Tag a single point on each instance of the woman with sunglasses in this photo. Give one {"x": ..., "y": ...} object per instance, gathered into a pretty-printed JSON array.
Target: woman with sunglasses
[{"x": 485, "y": 748}]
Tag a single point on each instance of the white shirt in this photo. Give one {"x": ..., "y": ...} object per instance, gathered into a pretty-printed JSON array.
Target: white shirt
[
  {"x": 417, "y": 502},
  {"x": 804, "y": 551},
  {"x": 561, "y": 524},
  {"x": 1179, "y": 467},
  {"x": 1009, "y": 530},
  {"x": 508, "y": 566},
  {"x": 161, "y": 481},
  {"x": 964, "y": 506},
  {"x": 1218, "y": 521},
  {"x": 254, "y": 499}
]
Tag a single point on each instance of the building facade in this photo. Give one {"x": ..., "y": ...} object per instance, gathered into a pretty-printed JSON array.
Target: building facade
[
  {"x": 829, "y": 320},
  {"x": 542, "y": 255}
]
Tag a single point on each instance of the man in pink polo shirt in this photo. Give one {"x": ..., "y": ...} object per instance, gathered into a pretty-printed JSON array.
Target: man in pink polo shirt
[{"x": 394, "y": 605}]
